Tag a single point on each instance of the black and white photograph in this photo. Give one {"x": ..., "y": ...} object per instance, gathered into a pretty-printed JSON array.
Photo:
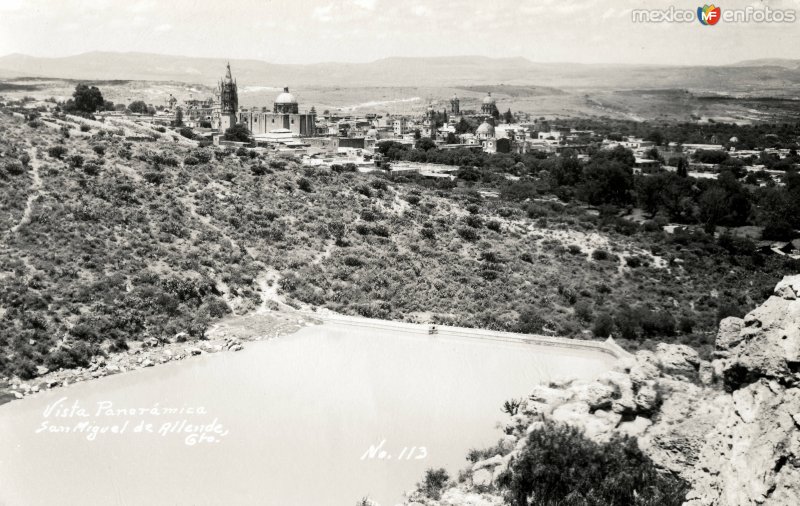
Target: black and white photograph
[{"x": 416, "y": 253}]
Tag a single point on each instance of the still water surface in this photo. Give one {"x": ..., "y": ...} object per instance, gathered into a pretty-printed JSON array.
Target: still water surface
[{"x": 295, "y": 418}]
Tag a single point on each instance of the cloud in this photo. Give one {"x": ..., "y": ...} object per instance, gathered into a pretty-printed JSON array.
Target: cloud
[
  {"x": 323, "y": 14},
  {"x": 420, "y": 10},
  {"x": 366, "y": 4},
  {"x": 142, "y": 6},
  {"x": 163, "y": 27},
  {"x": 13, "y": 5}
]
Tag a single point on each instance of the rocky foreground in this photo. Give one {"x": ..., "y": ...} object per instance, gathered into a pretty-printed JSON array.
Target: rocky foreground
[{"x": 730, "y": 427}]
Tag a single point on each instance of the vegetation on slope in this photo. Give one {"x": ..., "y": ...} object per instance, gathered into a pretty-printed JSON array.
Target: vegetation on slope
[{"x": 131, "y": 239}]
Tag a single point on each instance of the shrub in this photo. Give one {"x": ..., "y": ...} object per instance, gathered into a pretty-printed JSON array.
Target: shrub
[
  {"x": 85, "y": 128},
  {"x": 305, "y": 185},
  {"x": 433, "y": 483},
  {"x": 583, "y": 310},
  {"x": 633, "y": 261},
  {"x": 686, "y": 325},
  {"x": 100, "y": 150},
  {"x": 468, "y": 234},
  {"x": 14, "y": 168},
  {"x": 494, "y": 225},
  {"x": 474, "y": 221},
  {"x": 657, "y": 324},
  {"x": 530, "y": 321},
  {"x": 559, "y": 465},
  {"x": 76, "y": 161},
  {"x": 57, "y": 152},
  {"x": 154, "y": 177},
  {"x": 78, "y": 355},
  {"x": 600, "y": 255},
  {"x": 91, "y": 169},
  {"x": 603, "y": 325},
  {"x": 729, "y": 308},
  {"x": 574, "y": 249},
  {"x": 190, "y": 160}
]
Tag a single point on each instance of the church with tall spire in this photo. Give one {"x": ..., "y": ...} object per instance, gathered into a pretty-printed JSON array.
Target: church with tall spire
[
  {"x": 284, "y": 118},
  {"x": 227, "y": 100}
]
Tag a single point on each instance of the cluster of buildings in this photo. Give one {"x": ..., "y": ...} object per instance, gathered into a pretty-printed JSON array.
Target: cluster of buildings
[{"x": 349, "y": 138}]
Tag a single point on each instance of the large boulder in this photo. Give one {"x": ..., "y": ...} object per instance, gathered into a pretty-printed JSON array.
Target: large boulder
[
  {"x": 678, "y": 360},
  {"x": 768, "y": 345},
  {"x": 596, "y": 394},
  {"x": 647, "y": 398},
  {"x": 645, "y": 368}
]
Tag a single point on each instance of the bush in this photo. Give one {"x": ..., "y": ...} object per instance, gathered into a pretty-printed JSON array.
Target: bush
[
  {"x": 468, "y": 234},
  {"x": 85, "y": 128},
  {"x": 583, "y": 310},
  {"x": 560, "y": 466},
  {"x": 14, "y": 168},
  {"x": 433, "y": 483},
  {"x": 190, "y": 160},
  {"x": 76, "y": 161},
  {"x": 633, "y": 261},
  {"x": 600, "y": 255},
  {"x": 57, "y": 152},
  {"x": 305, "y": 185},
  {"x": 91, "y": 169},
  {"x": 603, "y": 325},
  {"x": 79, "y": 355}
]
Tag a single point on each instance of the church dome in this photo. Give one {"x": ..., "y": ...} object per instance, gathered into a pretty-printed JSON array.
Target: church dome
[
  {"x": 488, "y": 99},
  {"x": 485, "y": 129},
  {"x": 285, "y": 97}
]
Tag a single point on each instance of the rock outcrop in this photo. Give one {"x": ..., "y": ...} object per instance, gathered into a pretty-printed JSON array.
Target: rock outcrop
[{"x": 730, "y": 427}]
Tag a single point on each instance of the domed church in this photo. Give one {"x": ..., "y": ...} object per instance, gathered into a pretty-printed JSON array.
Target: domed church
[{"x": 285, "y": 116}]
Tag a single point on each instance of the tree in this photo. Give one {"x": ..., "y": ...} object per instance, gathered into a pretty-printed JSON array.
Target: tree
[
  {"x": 425, "y": 144},
  {"x": 607, "y": 182},
  {"x": 560, "y": 466},
  {"x": 238, "y": 133},
  {"x": 713, "y": 204},
  {"x": 683, "y": 167},
  {"x": 179, "y": 117},
  {"x": 463, "y": 126},
  {"x": 656, "y": 137},
  {"x": 508, "y": 117},
  {"x": 138, "y": 107},
  {"x": 86, "y": 99}
]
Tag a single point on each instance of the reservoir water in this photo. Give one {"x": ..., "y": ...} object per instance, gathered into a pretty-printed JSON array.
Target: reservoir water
[{"x": 322, "y": 417}]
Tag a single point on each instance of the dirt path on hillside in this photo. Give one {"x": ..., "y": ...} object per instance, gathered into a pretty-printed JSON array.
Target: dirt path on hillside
[{"x": 35, "y": 191}]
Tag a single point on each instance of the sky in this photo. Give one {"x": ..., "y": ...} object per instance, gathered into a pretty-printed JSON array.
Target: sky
[{"x": 309, "y": 31}]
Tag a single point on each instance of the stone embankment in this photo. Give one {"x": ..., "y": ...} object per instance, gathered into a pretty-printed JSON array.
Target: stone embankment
[
  {"x": 730, "y": 427},
  {"x": 228, "y": 335}
]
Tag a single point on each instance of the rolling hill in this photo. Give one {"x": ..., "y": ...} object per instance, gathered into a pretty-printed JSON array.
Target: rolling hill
[{"x": 765, "y": 77}]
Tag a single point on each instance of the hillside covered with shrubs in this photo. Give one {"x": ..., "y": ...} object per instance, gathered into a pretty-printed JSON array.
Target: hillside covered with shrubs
[{"x": 127, "y": 239}]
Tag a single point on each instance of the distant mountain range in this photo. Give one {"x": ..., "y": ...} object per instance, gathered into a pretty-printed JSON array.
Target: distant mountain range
[{"x": 767, "y": 77}]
